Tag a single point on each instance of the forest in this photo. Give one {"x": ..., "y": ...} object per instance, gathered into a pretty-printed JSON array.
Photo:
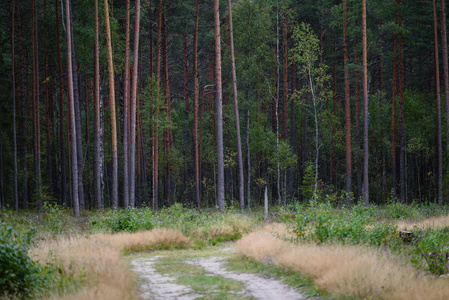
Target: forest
[{"x": 210, "y": 103}]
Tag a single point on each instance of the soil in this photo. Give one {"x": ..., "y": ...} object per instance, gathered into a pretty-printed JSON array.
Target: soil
[{"x": 157, "y": 286}]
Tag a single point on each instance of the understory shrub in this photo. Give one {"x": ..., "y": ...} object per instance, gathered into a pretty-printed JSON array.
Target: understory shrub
[
  {"x": 429, "y": 249},
  {"x": 20, "y": 276}
]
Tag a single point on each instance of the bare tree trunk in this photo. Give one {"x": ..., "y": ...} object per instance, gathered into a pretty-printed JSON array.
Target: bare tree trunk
[
  {"x": 97, "y": 125},
  {"x": 393, "y": 119},
  {"x": 402, "y": 116},
  {"x": 285, "y": 79},
  {"x": 76, "y": 207},
  {"x": 438, "y": 98},
  {"x": 357, "y": 122},
  {"x": 36, "y": 114},
  {"x": 236, "y": 110},
  {"x": 135, "y": 77},
  {"x": 114, "y": 195},
  {"x": 218, "y": 89},
  {"x": 196, "y": 108},
  {"x": 334, "y": 129},
  {"x": 156, "y": 113},
  {"x": 445, "y": 66},
  {"x": 13, "y": 53},
  {"x": 126, "y": 116},
  {"x": 365, "y": 111},
  {"x": 347, "y": 107}
]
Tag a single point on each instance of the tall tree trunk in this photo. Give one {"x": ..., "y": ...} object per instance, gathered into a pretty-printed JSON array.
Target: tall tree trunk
[
  {"x": 36, "y": 114},
  {"x": 357, "y": 122},
  {"x": 156, "y": 113},
  {"x": 285, "y": 79},
  {"x": 334, "y": 129},
  {"x": 114, "y": 186},
  {"x": 126, "y": 115},
  {"x": 13, "y": 53},
  {"x": 79, "y": 144},
  {"x": 236, "y": 110},
  {"x": 196, "y": 95},
  {"x": 438, "y": 98},
  {"x": 97, "y": 125},
  {"x": 167, "y": 133},
  {"x": 135, "y": 78},
  {"x": 365, "y": 110},
  {"x": 219, "y": 99},
  {"x": 63, "y": 192},
  {"x": 347, "y": 106},
  {"x": 22, "y": 115},
  {"x": 393, "y": 118},
  {"x": 401, "y": 77},
  {"x": 76, "y": 207},
  {"x": 445, "y": 66}
]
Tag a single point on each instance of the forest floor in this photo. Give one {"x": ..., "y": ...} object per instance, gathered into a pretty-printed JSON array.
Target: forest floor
[{"x": 209, "y": 273}]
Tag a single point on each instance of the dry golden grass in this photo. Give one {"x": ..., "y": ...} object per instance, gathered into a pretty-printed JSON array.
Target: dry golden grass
[
  {"x": 346, "y": 270},
  {"x": 233, "y": 224},
  {"x": 434, "y": 223},
  {"x": 99, "y": 258}
]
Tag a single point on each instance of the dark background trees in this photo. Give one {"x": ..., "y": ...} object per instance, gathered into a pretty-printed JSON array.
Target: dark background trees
[{"x": 173, "y": 74}]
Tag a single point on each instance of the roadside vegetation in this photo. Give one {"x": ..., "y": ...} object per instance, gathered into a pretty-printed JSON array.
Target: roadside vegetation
[{"x": 332, "y": 250}]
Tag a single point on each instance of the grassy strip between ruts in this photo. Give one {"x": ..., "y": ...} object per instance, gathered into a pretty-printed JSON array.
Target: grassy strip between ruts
[{"x": 353, "y": 271}]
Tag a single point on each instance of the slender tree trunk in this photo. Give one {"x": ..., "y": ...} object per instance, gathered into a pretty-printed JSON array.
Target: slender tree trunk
[
  {"x": 236, "y": 110},
  {"x": 135, "y": 78},
  {"x": 156, "y": 113},
  {"x": 76, "y": 207},
  {"x": 114, "y": 195},
  {"x": 365, "y": 110},
  {"x": 445, "y": 66},
  {"x": 401, "y": 76},
  {"x": 126, "y": 115},
  {"x": 97, "y": 129},
  {"x": 22, "y": 116},
  {"x": 218, "y": 89},
  {"x": 63, "y": 193},
  {"x": 13, "y": 53},
  {"x": 36, "y": 119},
  {"x": 393, "y": 119},
  {"x": 438, "y": 98},
  {"x": 167, "y": 133},
  {"x": 347, "y": 106},
  {"x": 334, "y": 129},
  {"x": 285, "y": 80},
  {"x": 357, "y": 123},
  {"x": 196, "y": 108}
]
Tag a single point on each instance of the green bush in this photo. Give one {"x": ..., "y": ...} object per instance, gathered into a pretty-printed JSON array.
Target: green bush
[
  {"x": 128, "y": 219},
  {"x": 430, "y": 248},
  {"x": 20, "y": 276}
]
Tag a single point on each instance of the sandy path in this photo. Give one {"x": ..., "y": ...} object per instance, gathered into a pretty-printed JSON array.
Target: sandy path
[
  {"x": 257, "y": 287},
  {"x": 157, "y": 286}
]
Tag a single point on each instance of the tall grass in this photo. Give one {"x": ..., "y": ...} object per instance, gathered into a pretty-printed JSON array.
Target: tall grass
[
  {"x": 92, "y": 267},
  {"x": 346, "y": 270}
]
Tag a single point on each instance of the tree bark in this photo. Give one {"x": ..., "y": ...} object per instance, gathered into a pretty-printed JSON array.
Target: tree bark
[
  {"x": 357, "y": 122},
  {"x": 135, "y": 78},
  {"x": 285, "y": 80},
  {"x": 126, "y": 116},
  {"x": 13, "y": 53},
  {"x": 445, "y": 65},
  {"x": 393, "y": 119},
  {"x": 438, "y": 100},
  {"x": 236, "y": 109},
  {"x": 196, "y": 108},
  {"x": 219, "y": 99},
  {"x": 114, "y": 186},
  {"x": 347, "y": 106},
  {"x": 97, "y": 129},
  {"x": 401, "y": 77},
  {"x": 76, "y": 207},
  {"x": 365, "y": 110}
]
